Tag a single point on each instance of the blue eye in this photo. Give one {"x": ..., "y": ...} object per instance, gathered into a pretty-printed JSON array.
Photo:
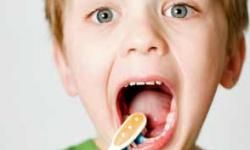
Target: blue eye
[
  {"x": 104, "y": 15},
  {"x": 179, "y": 11}
]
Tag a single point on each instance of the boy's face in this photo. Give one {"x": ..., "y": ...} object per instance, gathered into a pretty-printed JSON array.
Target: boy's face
[{"x": 111, "y": 43}]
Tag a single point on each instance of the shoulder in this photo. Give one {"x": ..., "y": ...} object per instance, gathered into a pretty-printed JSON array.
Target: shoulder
[{"x": 85, "y": 145}]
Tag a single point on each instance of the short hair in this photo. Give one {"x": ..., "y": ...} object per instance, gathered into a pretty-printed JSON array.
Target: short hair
[
  {"x": 54, "y": 14},
  {"x": 236, "y": 13}
]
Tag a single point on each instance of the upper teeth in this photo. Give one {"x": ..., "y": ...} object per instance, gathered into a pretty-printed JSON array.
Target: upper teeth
[{"x": 144, "y": 83}]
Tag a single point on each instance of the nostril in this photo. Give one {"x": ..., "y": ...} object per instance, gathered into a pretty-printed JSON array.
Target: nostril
[
  {"x": 132, "y": 50},
  {"x": 152, "y": 48}
]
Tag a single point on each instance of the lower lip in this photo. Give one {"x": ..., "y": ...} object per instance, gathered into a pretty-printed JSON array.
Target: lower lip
[
  {"x": 158, "y": 142},
  {"x": 161, "y": 140}
]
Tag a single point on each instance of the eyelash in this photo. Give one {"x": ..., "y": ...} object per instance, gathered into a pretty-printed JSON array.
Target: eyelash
[
  {"x": 167, "y": 12},
  {"x": 93, "y": 14},
  {"x": 96, "y": 10}
]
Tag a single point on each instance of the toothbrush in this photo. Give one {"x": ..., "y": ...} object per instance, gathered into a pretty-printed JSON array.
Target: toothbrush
[{"x": 129, "y": 131}]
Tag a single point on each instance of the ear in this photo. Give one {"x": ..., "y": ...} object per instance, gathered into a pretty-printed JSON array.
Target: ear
[
  {"x": 64, "y": 70},
  {"x": 234, "y": 62}
]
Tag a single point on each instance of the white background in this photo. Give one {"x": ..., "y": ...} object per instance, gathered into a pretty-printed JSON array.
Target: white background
[{"x": 36, "y": 113}]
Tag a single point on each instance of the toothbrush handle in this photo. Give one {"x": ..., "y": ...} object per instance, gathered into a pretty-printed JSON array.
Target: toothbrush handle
[
  {"x": 112, "y": 148},
  {"x": 115, "y": 148}
]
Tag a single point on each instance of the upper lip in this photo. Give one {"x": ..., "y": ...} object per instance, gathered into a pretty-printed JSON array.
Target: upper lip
[{"x": 147, "y": 78}]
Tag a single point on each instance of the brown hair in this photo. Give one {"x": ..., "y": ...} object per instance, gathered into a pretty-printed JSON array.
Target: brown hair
[
  {"x": 236, "y": 12},
  {"x": 54, "y": 14}
]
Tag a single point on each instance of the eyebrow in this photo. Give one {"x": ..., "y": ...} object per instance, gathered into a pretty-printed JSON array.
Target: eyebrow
[{"x": 93, "y": 3}]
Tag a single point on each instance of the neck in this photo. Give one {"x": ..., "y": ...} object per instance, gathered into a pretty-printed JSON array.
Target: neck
[{"x": 100, "y": 143}]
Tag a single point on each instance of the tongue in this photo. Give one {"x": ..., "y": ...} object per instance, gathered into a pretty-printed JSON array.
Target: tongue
[{"x": 155, "y": 105}]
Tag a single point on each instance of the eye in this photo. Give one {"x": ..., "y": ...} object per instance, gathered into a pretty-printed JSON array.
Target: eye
[
  {"x": 179, "y": 11},
  {"x": 103, "y": 15}
]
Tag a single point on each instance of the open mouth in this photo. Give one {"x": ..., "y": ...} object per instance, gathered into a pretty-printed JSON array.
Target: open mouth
[{"x": 157, "y": 101}]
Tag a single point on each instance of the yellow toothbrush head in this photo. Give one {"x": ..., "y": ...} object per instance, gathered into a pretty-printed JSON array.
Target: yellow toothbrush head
[{"x": 129, "y": 130}]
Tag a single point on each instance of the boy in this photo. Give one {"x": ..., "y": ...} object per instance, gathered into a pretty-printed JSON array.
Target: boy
[{"x": 164, "y": 58}]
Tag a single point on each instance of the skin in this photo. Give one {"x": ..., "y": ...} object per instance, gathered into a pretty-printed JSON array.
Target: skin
[{"x": 192, "y": 53}]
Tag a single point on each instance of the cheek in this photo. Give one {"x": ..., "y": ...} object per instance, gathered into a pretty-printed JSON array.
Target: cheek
[
  {"x": 90, "y": 57},
  {"x": 201, "y": 59},
  {"x": 201, "y": 53},
  {"x": 91, "y": 70},
  {"x": 91, "y": 62},
  {"x": 201, "y": 63}
]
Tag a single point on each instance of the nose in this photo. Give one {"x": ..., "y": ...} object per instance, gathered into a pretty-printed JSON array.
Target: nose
[{"x": 145, "y": 38}]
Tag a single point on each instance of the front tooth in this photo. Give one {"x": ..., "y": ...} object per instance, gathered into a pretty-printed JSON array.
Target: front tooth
[
  {"x": 150, "y": 83},
  {"x": 132, "y": 83},
  {"x": 158, "y": 82},
  {"x": 140, "y": 83}
]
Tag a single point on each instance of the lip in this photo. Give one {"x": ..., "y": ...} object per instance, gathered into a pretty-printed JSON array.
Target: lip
[
  {"x": 166, "y": 136},
  {"x": 158, "y": 143},
  {"x": 140, "y": 79}
]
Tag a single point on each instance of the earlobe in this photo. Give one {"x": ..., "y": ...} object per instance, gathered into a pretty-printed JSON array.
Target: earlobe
[
  {"x": 227, "y": 79},
  {"x": 234, "y": 63},
  {"x": 64, "y": 70}
]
